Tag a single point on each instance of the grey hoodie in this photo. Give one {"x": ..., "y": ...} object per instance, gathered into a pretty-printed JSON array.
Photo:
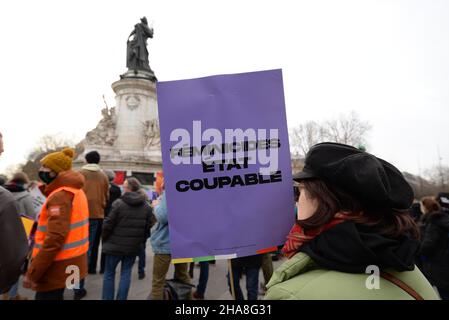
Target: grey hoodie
[{"x": 25, "y": 204}]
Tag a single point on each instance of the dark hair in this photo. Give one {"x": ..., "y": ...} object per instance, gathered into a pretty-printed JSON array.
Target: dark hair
[
  {"x": 431, "y": 204},
  {"x": 296, "y": 193},
  {"x": 93, "y": 157},
  {"x": 134, "y": 184},
  {"x": 110, "y": 174},
  {"x": 20, "y": 178},
  {"x": 388, "y": 222}
]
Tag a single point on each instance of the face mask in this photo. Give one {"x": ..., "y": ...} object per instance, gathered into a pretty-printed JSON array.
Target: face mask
[{"x": 45, "y": 177}]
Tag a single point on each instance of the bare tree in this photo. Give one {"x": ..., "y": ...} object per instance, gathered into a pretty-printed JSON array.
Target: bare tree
[
  {"x": 421, "y": 186},
  {"x": 45, "y": 145},
  {"x": 50, "y": 142},
  {"x": 347, "y": 129},
  {"x": 304, "y": 136},
  {"x": 439, "y": 176}
]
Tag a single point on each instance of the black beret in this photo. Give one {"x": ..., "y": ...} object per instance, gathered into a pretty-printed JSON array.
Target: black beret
[{"x": 373, "y": 181}]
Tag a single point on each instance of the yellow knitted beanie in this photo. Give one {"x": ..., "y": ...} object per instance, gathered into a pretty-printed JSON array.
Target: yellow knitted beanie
[{"x": 59, "y": 161}]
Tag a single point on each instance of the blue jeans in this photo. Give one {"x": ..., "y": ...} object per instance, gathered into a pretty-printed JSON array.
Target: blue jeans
[
  {"x": 94, "y": 229},
  {"x": 94, "y": 243},
  {"x": 252, "y": 282},
  {"x": 125, "y": 276},
  {"x": 142, "y": 258},
  {"x": 204, "y": 276}
]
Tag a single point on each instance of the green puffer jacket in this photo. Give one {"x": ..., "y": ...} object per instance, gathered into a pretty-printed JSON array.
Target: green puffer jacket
[{"x": 300, "y": 278}]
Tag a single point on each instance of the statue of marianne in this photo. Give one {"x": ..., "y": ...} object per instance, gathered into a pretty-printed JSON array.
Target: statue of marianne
[{"x": 137, "y": 52}]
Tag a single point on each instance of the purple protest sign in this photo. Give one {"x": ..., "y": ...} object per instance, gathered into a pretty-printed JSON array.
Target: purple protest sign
[{"x": 227, "y": 166}]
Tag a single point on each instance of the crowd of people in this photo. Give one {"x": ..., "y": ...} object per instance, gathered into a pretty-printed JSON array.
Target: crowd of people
[{"x": 353, "y": 211}]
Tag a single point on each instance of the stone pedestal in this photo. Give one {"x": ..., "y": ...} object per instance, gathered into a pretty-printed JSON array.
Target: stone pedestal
[
  {"x": 128, "y": 137},
  {"x": 136, "y": 104}
]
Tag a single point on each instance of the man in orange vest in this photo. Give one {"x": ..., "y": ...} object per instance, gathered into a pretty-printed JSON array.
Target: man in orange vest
[{"x": 59, "y": 257}]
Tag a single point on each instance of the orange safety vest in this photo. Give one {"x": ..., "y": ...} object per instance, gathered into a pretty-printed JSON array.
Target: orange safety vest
[{"x": 77, "y": 241}]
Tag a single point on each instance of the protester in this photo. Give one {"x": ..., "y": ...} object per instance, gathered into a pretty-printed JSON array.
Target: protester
[
  {"x": 114, "y": 193},
  {"x": 13, "y": 241},
  {"x": 191, "y": 268},
  {"x": 158, "y": 184},
  {"x": 96, "y": 188},
  {"x": 250, "y": 266},
  {"x": 124, "y": 230},
  {"x": 267, "y": 270},
  {"x": 18, "y": 187},
  {"x": 202, "y": 281},
  {"x": 142, "y": 261},
  {"x": 443, "y": 200},
  {"x": 352, "y": 218},
  {"x": 434, "y": 249},
  {"x": 62, "y": 236},
  {"x": 143, "y": 247},
  {"x": 416, "y": 214},
  {"x": 97, "y": 192},
  {"x": 161, "y": 248}
]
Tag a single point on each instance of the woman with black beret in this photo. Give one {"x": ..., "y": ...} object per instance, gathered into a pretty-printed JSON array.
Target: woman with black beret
[{"x": 354, "y": 237}]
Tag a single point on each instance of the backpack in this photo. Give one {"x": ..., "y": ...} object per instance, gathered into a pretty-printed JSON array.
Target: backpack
[{"x": 177, "y": 290}]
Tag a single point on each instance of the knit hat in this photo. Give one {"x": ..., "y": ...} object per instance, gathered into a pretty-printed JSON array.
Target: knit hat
[{"x": 59, "y": 161}]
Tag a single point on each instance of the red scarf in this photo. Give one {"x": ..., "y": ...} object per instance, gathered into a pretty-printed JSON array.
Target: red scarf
[{"x": 298, "y": 236}]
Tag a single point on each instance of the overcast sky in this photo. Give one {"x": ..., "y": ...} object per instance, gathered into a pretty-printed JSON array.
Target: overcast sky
[{"x": 387, "y": 60}]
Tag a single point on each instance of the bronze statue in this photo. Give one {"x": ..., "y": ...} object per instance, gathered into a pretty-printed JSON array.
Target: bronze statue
[{"x": 137, "y": 52}]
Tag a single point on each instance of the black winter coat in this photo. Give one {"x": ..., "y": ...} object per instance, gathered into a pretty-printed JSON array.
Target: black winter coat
[
  {"x": 13, "y": 241},
  {"x": 114, "y": 194},
  {"x": 434, "y": 250},
  {"x": 128, "y": 225}
]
